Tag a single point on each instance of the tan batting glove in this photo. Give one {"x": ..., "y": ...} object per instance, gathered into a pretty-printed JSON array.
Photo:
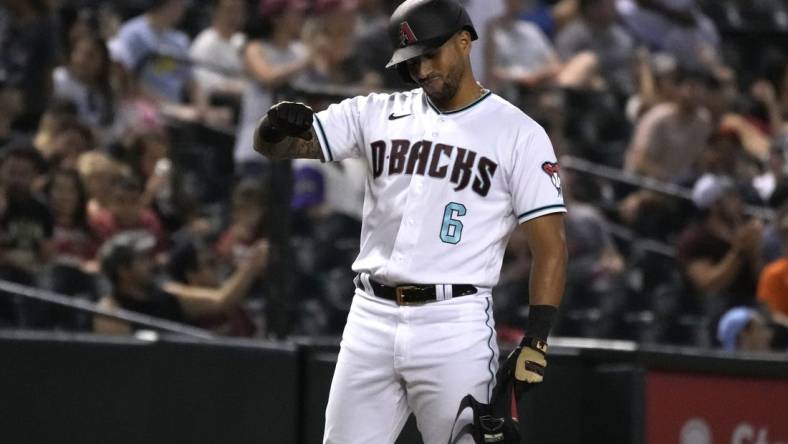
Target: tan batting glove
[{"x": 531, "y": 363}]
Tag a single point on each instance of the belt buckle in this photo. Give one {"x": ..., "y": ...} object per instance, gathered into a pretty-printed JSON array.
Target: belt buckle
[{"x": 398, "y": 292}]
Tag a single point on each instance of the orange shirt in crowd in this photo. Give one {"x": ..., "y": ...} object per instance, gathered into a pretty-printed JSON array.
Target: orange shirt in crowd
[{"x": 773, "y": 286}]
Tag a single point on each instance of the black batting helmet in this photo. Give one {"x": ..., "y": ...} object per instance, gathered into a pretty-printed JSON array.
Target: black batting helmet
[{"x": 418, "y": 26}]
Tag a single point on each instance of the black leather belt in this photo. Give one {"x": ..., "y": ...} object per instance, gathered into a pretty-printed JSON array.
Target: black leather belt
[{"x": 416, "y": 293}]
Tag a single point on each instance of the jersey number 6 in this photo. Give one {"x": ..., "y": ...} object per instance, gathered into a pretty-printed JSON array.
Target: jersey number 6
[{"x": 451, "y": 230}]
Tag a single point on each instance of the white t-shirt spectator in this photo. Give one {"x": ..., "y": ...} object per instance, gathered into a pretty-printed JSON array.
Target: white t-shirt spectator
[
  {"x": 481, "y": 12},
  {"x": 256, "y": 100},
  {"x": 612, "y": 45},
  {"x": 520, "y": 49},
  {"x": 212, "y": 49},
  {"x": 685, "y": 43},
  {"x": 158, "y": 59}
]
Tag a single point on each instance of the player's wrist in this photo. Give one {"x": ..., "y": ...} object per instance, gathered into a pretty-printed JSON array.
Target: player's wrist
[{"x": 540, "y": 322}]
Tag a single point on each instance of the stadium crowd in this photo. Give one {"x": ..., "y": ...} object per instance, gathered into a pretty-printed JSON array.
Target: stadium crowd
[{"x": 127, "y": 175}]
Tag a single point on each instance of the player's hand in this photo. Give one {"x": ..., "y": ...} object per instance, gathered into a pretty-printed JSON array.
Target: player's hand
[
  {"x": 286, "y": 119},
  {"x": 531, "y": 364}
]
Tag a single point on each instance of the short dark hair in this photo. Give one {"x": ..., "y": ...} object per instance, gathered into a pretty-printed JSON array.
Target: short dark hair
[
  {"x": 111, "y": 264},
  {"x": 121, "y": 250},
  {"x": 184, "y": 258}
]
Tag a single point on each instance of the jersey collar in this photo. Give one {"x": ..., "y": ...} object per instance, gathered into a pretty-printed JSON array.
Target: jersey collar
[{"x": 487, "y": 93}]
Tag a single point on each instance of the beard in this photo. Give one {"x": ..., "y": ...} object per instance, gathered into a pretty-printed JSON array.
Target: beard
[{"x": 442, "y": 91}]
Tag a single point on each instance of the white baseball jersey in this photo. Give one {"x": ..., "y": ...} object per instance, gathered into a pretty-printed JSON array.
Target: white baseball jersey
[{"x": 444, "y": 190}]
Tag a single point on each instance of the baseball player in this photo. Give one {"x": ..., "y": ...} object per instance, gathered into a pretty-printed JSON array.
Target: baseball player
[{"x": 452, "y": 170}]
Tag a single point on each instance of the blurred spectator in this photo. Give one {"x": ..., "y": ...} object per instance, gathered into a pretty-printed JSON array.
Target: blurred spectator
[
  {"x": 155, "y": 56},
  {"x": 126, "y": 262},
  {"x": 517, "y": 54},
  {"x": 773, "y": 281},
  {"x": 58, "y": 114},
  {"x": 481, "y": 13},
  {"x": 656, "y": 82},
  {"x": 720, "y": 254},
  {"x": 125, "y": 211},
  {"x": 511, "y": 293},
  {"x": 135, "y": 113},
  {"x": 98, "y": 172},
  {"x": 248, "y": 222},
  {"x": 28, "y": 51},
  {"x": 218, "y": 49},
  {"x": 677, "y": 27},
  {"x": 669, "y": 139},
  {"x": 724, "y": 155},
  {"x": 551, "y": 15},
  {"x": 272, "y": 57},
  {"x": 68, "y": 140},
  {"x": 744, "y": 329},
  {"x": 325, "y": 243},
  {"x": 193, "y": 269},
  {"x": 85, "y": 80},
  {"x": 724, "y": 102},
  {"x": 595, "y": 277},
  {"x": 330, "y": 37},
  {"x": 148, "y": 155},
  {"x": 26, "y": 224},
  {"x": 74, "y": 248},
  {"x": 10, "y": 106},
  {"x": 151, "y": 49},
  {"x": 769, "y": 109},
  {"x": 777, "y": 74},
  {"x": 774, "y": 173},
  {"x": 73, "y": 243},
  {"x": 596, "y": 30},
  {"x": 344, "y": 183},
  {"x": 371, "y": 16},
  {"x": 317, "y": 220},
  {"x": 373, "y": 48},
  {"x": 520, "y": 60}
]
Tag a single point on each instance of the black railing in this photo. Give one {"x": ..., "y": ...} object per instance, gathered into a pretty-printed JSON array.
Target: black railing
[{"x": 10, "y": 289}]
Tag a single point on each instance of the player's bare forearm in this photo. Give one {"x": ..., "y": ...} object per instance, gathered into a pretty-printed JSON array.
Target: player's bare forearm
[
  {"x": 289, "y": 147},
  {"x": 547, "y": 242}
]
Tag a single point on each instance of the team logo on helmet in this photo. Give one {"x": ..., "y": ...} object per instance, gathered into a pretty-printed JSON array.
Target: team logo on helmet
[
  {"x": 552, "y": 169},
  {"x": 406, "y": 35}
]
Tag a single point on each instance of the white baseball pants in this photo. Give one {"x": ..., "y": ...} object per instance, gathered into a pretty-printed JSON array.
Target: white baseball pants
[{"x": 424, "y": 359}]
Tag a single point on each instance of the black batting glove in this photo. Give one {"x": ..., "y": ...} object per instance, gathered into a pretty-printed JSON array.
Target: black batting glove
[{"x": 286, "y": 119}]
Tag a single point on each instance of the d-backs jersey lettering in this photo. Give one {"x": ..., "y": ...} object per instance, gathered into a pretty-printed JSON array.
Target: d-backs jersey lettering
[{"x": 444, "y": 190}]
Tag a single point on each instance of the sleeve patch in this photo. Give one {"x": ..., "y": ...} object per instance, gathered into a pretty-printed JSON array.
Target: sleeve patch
[{"x": 552, "y": 169}]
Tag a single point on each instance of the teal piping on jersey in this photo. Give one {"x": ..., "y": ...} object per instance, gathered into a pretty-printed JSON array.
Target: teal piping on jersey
[
  {"x": 486, "y": 94},
  {"x": 492, "y": 352},
  {"x": 329, "y": 157},
  {"x": 548, "y": 207}
]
